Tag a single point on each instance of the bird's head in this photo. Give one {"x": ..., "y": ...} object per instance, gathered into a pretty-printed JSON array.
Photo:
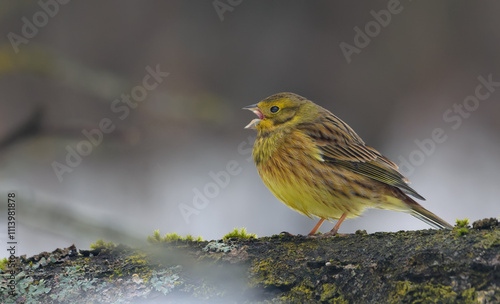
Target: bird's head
[{"x": 281, "y": 110}]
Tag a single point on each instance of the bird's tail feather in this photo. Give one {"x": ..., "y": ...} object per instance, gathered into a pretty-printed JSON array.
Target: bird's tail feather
[{"x": 426, "y": 216}]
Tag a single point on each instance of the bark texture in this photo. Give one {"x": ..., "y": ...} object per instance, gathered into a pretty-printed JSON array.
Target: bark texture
[{"x": 427, "y": 266}]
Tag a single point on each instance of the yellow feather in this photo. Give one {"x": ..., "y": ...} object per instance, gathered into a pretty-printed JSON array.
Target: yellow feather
[{"x": 316, "y": 164}]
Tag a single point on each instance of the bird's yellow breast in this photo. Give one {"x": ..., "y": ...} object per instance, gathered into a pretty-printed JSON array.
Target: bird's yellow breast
[{"x": 291, "y": 166}]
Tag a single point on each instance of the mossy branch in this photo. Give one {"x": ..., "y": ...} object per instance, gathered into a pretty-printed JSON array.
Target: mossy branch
[{"x": 427, "y": 266}]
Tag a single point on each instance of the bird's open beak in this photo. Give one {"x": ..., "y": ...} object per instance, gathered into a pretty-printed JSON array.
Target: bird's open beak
[{"x": 255, "y": 122}]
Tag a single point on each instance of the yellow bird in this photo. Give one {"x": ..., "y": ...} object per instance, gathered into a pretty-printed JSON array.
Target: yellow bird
[{"x": 317, "y": 165}]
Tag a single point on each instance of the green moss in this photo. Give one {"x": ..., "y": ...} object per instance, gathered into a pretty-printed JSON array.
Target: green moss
[
  {"x": 174, "y": 237},
  {"x": 191, "y": 238},
  {"x": 306, "y": 291},
  {"x": 491, "y": 239},
  {"x": 462, "y": 231},
  {"x": 270, "y": 273},
  {"x": 3, "y": 263},
  {"x": 361, "y": 232},
  {"x": 240, "y": 233},
  {"x": 102, "y": 244},
  {"x": 171, "y": 237},
  {"x": 136, "y": 264},
  {"x": 408, "y": 292},
  {"x": 331, "y": 294},
  {"x": 155, "y": 238},
  {"x": 301, "y": 293},
  {"x": 462, "y": 227},
  {"x": 138, "y": 259},
  {"x": 462, "y": 223}
]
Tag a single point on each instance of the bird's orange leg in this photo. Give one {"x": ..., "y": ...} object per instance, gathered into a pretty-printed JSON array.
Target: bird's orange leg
[
  {"x": 313, "y": 232},
  {"x": 337, "y": 226}
]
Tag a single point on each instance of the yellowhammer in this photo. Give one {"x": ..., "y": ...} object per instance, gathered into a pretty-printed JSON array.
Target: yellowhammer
[{"x": 317, "y": 165}]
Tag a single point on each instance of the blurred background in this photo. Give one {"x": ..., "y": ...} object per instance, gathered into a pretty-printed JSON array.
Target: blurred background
[{"x": 175, "y": 156}]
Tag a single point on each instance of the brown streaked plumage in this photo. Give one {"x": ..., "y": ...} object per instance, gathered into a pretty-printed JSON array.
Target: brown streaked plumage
[{"x": 317, "y": 165}]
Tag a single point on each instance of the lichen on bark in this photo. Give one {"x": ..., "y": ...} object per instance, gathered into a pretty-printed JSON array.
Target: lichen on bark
[{"x": 426, "y": 266}]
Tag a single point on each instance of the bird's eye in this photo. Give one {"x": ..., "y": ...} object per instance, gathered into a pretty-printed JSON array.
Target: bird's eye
[{"x": 274, "y": 109}]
